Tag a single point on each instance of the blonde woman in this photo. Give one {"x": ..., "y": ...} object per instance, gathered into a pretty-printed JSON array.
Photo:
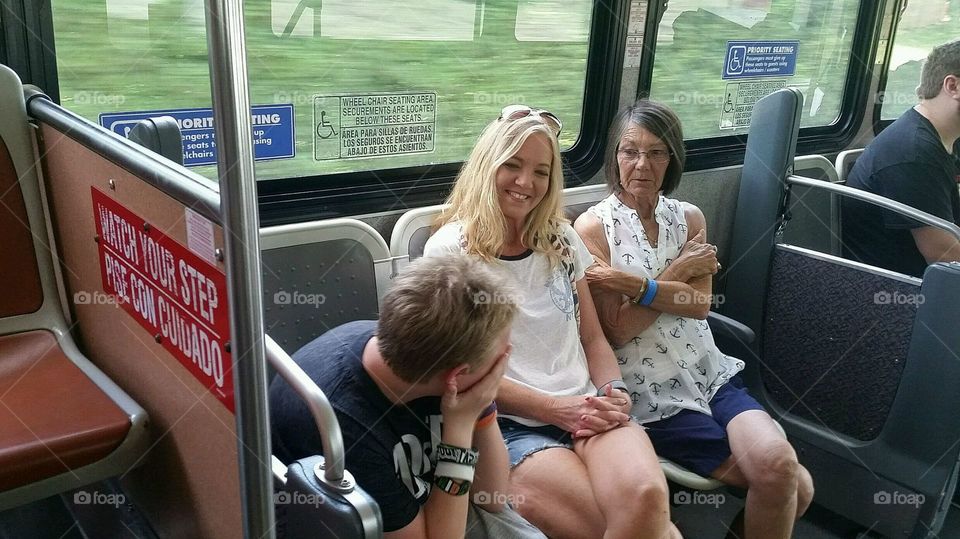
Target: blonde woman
[{"x": 579, "y": 466}]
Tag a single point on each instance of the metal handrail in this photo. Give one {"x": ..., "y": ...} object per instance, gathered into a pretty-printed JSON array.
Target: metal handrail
[
  {"x": 189, "y": 188},
  {"x": 320, "y": 409},
  {"x": 877, "y": 200}
]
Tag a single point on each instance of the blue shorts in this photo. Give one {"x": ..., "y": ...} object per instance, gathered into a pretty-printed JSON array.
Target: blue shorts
[
  {"x": 523, "y": 441},
  {"x": 697, "y": 441}
]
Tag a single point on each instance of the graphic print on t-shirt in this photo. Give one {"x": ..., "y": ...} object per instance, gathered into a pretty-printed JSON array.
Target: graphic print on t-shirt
[
  {"x": 412, "y": 460},
  {"x": 560, "y": 291}
]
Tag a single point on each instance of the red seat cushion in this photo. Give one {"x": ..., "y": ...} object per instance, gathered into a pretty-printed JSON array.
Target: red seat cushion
[{"x": 52, "y": 417}]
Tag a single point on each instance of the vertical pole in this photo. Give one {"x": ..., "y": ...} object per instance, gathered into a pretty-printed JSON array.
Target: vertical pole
[{"x": 238, "y": 206}]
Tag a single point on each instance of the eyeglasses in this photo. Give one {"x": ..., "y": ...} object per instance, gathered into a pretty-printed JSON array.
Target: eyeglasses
[
  {"x": 516, "y": 112},
  {"x": 657, "y": 156}
]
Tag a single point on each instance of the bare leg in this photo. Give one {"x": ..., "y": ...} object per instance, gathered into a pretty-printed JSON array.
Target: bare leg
[
  {"x": 779, "y": 489},
  {"x": 552, "y": 489},
  {"x": 627, "y": 481}
]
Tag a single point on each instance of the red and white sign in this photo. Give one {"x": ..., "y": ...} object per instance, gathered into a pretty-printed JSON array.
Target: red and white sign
[{"x": 174, "y": 294}]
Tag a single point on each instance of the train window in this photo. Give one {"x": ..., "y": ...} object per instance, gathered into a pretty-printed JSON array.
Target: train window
[
  {"x": 923, "y": 25},
  {"x": 713, "y": 61},
  {"x": 336, "y": 85}
]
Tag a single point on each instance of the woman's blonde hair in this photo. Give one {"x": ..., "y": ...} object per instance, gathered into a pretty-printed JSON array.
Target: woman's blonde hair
[{"x": 474, "y": 202}]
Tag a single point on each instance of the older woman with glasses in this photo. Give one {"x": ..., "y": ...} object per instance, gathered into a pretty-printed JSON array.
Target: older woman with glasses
[
  {"x": 579, "y": 466},
  {"x": 652, "y": 281}
]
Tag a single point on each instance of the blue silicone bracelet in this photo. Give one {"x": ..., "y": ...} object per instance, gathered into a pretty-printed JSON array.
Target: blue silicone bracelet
[{"x": 651, "y": 293}]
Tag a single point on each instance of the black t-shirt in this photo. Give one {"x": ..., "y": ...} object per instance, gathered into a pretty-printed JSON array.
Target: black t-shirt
[
  {"x": 389, "y": 448},
  {"x": 907, "y": 163}
]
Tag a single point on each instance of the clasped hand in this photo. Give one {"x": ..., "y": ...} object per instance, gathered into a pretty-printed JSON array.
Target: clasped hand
[{"x": 586, "y": 416}]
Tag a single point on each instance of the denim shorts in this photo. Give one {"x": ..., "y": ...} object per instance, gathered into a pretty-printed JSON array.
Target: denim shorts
[
  {"x": 697, "y": 441},
  {"x": 523, "y": 441}
]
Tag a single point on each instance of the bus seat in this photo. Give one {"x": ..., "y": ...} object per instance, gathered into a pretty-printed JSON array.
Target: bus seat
[
  {"x": 845, "y": 162},
  {"x": 412, "y": 230},
  {"x": 161, "y": 135},
  {"x": 340, "y": 514},
  {"x": 63, "y": 423},
  {"x": 319, "y": 275},
  {"x": 577, "y": 200},
  {"x": 77, "y": 424},
  {"x": 312, "y": 497},
  {"x": 851, "y": 359}
]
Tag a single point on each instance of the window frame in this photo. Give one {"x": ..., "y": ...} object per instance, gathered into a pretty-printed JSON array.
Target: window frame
[
  {"x": 288, "y": 200},
  {"x": 27, "y": 44},
  {"x": 727, "y": 150}
]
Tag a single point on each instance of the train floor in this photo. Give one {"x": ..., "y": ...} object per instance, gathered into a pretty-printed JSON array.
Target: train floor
[{"x": 705, "y": 516}]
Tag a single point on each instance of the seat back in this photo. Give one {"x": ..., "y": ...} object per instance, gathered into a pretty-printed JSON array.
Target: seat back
[
  {"x": 768, "y": 159},
  {"x": 319, "y": 275},
  {"x": 844, "y": 163}
]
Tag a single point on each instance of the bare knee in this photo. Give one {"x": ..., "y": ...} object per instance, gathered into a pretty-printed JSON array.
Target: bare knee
[
  {"x": 775, "y": 469},
  {"x": 644, "y": 512}
]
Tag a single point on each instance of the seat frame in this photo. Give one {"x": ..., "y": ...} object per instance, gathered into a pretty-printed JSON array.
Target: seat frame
[{"x": 18, "y": 135}]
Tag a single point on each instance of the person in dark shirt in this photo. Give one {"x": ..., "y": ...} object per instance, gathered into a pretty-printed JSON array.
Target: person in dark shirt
[
  {"x": 413, "y": 393},
  {"x": 916, "y": 161}
]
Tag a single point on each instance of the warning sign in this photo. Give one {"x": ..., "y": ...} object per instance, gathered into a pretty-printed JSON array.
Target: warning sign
[
  {"x": 174, "y": 294},
  {"x": 740, "y": 97},
  {"x": 352, "y": 126}
]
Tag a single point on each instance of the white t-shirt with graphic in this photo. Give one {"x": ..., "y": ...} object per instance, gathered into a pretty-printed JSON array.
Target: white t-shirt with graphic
[{"x": 547, "y": 353}]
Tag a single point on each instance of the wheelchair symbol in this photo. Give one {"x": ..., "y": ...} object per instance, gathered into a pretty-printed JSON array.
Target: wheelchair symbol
[
  {"x": 323, "y": 125},
  {"x": 728, "y": 104},
  {"x": 737, "y": 56}
]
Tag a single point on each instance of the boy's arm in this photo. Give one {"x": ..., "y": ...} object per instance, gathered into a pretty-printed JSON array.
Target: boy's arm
[{"x": 491, "y": 486}]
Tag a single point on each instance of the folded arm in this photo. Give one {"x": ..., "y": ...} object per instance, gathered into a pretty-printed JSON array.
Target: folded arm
[{"x": 684, "y": 286}]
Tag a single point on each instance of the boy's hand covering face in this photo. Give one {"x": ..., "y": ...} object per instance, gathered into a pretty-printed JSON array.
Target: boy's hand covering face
[{"x": 473, "y": 399}]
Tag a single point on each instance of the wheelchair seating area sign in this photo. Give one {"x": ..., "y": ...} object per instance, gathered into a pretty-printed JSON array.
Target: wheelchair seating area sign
[{"x": 749, "y": 59}]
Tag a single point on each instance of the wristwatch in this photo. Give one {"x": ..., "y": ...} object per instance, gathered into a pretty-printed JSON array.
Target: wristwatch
[{"x": 614, "y": 384}]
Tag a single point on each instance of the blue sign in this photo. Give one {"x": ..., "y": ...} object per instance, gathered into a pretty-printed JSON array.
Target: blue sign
[
  {"x": 273, "y": 133},
  {"x": 749, "y": 59}
]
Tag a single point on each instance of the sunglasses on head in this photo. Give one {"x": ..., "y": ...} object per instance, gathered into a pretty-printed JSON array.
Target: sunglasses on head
[{"x": 516, "y": 112}]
